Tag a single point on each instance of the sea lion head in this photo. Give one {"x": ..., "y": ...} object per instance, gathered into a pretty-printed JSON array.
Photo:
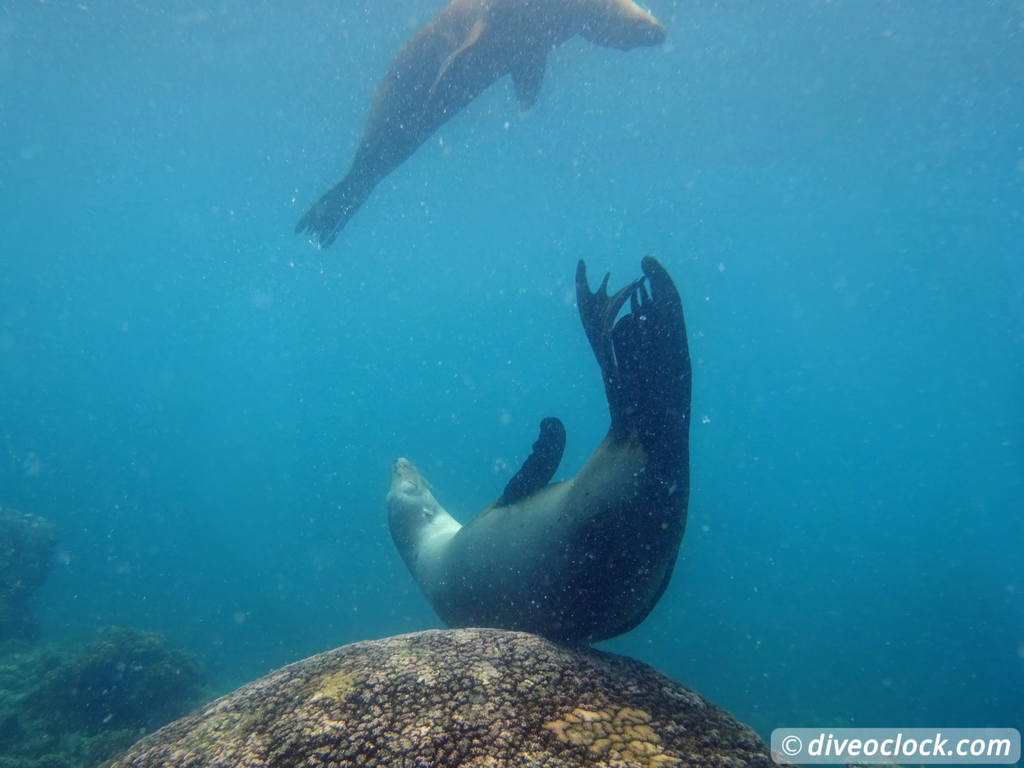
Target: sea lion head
[
  {"x": 620, "y": 24},
  {"x": 414, "y": 515}
]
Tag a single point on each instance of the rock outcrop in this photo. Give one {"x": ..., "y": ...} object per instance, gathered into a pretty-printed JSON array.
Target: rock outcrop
[{"x": 26, "y": 552}]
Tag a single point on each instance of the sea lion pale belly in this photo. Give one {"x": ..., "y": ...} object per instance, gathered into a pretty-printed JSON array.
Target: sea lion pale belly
[
  {"x": 452, "y": 60},
  {"x": 588, "y": 558}
]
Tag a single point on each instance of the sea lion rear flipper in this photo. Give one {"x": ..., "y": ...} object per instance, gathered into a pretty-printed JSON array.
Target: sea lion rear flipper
[
  {"x": 540, "y": 467},
  {"x": 527, "y": 77},
  {"x": 329, "y": 215},
  {"x": 644, "y": 357},
  {"x": 598, "y": 311}
]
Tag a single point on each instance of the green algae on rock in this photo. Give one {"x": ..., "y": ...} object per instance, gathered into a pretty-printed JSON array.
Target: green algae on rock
[
  {"x": 125, "y": 678},
  {"x": 464, "y": 697},
  {"x": 74, "y": 705}
]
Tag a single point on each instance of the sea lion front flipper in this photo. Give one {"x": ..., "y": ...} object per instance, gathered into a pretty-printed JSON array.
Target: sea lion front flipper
[
  {"x": 540, "y": 467},
  {"x": 470, "y": 40},
  {"x": 527, "y": 77}
]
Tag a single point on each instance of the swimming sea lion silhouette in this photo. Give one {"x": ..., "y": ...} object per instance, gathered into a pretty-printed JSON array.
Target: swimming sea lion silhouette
[
  {"x": 584, "y": 559},
  {"x": 449, "y": 62}
]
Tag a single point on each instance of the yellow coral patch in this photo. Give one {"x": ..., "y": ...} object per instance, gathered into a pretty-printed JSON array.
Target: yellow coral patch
[
  {"x": 485, "y": 672},
  {"x": 624, "y": 735},
  {"x": 336, "y": 685},
  {"x": 216, "y": 728}
]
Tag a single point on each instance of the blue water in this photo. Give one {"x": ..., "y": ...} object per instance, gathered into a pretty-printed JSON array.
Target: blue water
[{"x": 208, "y": 407}]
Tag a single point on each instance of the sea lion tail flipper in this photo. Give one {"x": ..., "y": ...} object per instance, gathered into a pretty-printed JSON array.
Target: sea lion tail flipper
[
  {"x": 644, "y": 357},
  {"x": 540, "y": 467},
  {"x": 527, "y": 77},
  {"x": 329, "y": 215}
]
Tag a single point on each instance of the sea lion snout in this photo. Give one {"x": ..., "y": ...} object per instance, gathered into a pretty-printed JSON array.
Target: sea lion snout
[
  {"x": 642, "y": 29},
  {"x": 651, "y": 32},
  {"x": 625, "y": 25},
  {"x": 405, "y": 478}
]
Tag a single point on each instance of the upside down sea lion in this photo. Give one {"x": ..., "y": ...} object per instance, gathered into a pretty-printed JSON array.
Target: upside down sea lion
[
  {"x": 449, "y": 62},
  {"x": 584, "y": 559}
]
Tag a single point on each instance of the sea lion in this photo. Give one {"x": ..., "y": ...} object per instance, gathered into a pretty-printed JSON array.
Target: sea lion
[
  {"x": 584, "y": 559},
  {"x": 449, "y": 62}
]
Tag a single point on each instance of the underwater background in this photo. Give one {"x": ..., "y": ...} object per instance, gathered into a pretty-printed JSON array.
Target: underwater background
[{"x": 207, "y": 407}]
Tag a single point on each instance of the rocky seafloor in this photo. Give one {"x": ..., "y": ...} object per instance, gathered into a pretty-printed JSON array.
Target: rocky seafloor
[{"x": 76, "y": 704}]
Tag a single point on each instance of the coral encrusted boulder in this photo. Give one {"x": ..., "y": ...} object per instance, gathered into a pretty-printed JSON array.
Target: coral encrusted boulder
[{"x": 465, "y": 697}]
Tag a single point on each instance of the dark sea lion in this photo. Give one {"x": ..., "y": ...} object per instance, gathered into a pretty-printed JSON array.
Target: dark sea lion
[
  {"x": 588, "y": 558},
  {"x": 449, "y": 62}
]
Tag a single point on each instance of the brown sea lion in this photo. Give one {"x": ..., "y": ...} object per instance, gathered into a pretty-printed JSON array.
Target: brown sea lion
[
  {"x": 584, "y": 559},
  {"x": 449, "y": 62}
]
